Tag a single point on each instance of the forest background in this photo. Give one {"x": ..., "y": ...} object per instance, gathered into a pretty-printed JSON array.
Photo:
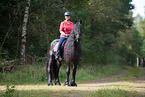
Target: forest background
[{"x": 110, "y": 34}]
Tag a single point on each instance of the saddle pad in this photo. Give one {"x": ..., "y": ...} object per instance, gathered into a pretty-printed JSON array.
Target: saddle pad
[{"x": 55, "y": 47}]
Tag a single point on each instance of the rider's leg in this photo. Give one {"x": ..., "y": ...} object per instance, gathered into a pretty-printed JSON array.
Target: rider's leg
[{"x": 59, "y": 46}]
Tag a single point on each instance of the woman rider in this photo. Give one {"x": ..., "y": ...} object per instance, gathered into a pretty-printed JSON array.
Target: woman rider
[{"x": 65, "y": 30}]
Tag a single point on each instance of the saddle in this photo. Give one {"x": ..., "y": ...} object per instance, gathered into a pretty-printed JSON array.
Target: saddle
[{"x": 62, "y": 46}]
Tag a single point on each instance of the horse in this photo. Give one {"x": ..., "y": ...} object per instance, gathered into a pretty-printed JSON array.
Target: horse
[{"x": 71, "y": 53}]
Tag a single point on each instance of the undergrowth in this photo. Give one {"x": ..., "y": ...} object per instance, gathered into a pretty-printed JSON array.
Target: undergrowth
[
  {"x": 35, "y": 74},
  {"x": 133, "y": 72},
  {"x": 90, "y": 68},
  {"x": 10, "y": 91}
]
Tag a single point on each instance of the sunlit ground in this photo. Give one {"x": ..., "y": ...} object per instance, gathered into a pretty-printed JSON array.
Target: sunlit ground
[{"x": 129, "y": 88}]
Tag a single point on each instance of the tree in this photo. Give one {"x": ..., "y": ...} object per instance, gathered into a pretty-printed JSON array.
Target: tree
[
  {"x": 11, "y": 18},
  {"x": 140, "y": 26},
  {"x": 103, "y": 21},
  {"x": 23, "y": 42}
]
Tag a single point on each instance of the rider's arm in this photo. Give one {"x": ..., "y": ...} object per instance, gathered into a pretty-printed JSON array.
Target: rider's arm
[
  {"x": 62, "y": 32},
  {"x": 62, "y": 28}
]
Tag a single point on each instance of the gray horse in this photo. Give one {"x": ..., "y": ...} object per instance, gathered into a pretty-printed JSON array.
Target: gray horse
[{"x": 71, "y": 53}]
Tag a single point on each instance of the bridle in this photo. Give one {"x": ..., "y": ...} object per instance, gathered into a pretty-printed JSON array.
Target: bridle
[{"x": 77, "y": 32}]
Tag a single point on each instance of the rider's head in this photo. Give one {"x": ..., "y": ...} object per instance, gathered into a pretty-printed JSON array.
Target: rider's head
[{"x": 67, "y": 15}]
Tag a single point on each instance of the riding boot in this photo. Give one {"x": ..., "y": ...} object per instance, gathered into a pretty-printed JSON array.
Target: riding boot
[{"x": 56, "y": 57}]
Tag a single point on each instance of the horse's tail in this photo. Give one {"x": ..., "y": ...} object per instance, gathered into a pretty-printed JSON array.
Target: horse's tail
[
  {"x": 47, "y": 62},
  {"x": 53, "y": 61},
  {"x": 53, "y": 67}
]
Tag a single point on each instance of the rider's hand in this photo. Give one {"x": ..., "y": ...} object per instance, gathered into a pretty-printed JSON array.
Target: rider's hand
[{"x": 66, "y": 35}]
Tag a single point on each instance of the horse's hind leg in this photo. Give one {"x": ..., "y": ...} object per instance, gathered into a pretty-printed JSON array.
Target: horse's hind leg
[
  {"x": 49, "y": 71},
  {"x": 57, "y": 73},
  {"x": 72, "y": 83}
]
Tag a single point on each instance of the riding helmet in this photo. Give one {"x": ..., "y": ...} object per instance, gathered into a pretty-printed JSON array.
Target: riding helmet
[{"x": 67, "y": 13}]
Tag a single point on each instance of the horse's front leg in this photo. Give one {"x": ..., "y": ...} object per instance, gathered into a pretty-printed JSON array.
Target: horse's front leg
[
  {"x": 72, "y": 83},
  {"x": 49, "y": 71},
  {"x": 67, "y": 75},
  {"x": 57, "y": 73}
]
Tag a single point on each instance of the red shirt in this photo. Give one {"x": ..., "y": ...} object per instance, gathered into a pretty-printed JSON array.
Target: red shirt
[{"x": 66, "y": 27}]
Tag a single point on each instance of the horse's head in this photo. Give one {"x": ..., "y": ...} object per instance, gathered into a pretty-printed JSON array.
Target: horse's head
[{"x": 78, "y": 31}]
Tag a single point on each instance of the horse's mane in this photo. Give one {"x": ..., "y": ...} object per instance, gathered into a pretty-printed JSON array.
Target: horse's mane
[
  {"x": 72, "y": 35},
  {"x": 70, "y": 40},
  {"x": 70, "y": 47}
]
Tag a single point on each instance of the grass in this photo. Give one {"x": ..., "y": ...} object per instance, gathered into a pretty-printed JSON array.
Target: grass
[
  {"x": 118, "y": 89},
  {"x": 35, "y": 74},
  {"x": 132, "y": 73},
  {"x": 24, "y": 75},
  {"x": 29, "y": 81},
  {"x": 95, "y": 72},
  {"x": 99, "y": 93},
  {"x": 90, "y": 68},
  {"x": 115, "y": 93}
]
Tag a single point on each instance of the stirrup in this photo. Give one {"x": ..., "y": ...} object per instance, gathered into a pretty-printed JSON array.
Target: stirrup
[{"x": 56, "y": 57}]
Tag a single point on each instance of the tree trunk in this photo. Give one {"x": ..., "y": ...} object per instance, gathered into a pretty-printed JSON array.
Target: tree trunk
[
  {"x": 141, "y": 62},
  {"x": 23, "y": 42},
  {"x": 137, "y": 61}
]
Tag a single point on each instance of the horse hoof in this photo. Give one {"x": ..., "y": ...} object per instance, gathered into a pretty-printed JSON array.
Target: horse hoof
[
  {"x": 50, "y": 84},
  {"x": 66, "y": 84},
  {"x": 57, "y": 83},
  {"x": 73, "y": 84}
]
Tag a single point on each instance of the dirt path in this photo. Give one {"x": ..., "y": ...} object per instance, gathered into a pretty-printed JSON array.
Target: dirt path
[
  {"x": 135, "y": 85},
  {"x": 143, "y": 77},
  {"x": 103, "y": 80}
]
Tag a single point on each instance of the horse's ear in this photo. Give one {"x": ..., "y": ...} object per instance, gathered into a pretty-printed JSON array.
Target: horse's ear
[
  {"x": 80, "y": 21},
  {"x": 77, "y": 20}
]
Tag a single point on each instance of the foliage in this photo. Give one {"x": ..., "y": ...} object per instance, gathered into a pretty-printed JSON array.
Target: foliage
[
  {"x": 134, "y": 72},
  {"x": 10, "y": 27},
  {"x": 131, "y": 73},
  {"x": 140, "y": 25},
  {"x": 10, "y": 91},
  {"x": 143, "y": 48},
  {"x": 25, "y": 75},
  {"x": 106, "y": 28},
  {"x": 35, "y": 74},
  {"x": 129, "y": 43}
]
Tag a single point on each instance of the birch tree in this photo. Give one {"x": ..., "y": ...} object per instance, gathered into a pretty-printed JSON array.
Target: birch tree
[{"x": 23, "y": 42}]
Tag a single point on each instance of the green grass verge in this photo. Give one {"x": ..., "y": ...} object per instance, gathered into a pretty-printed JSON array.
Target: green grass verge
[
  {"x": 114, "y": 93},
  {"x": 133, "y": 72},
  {"x": 29, "y": 74},
  {"x": 35, "y": 74},
  {"x": 71, "y": 93},
  {"x": 96, "y": 71}
]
